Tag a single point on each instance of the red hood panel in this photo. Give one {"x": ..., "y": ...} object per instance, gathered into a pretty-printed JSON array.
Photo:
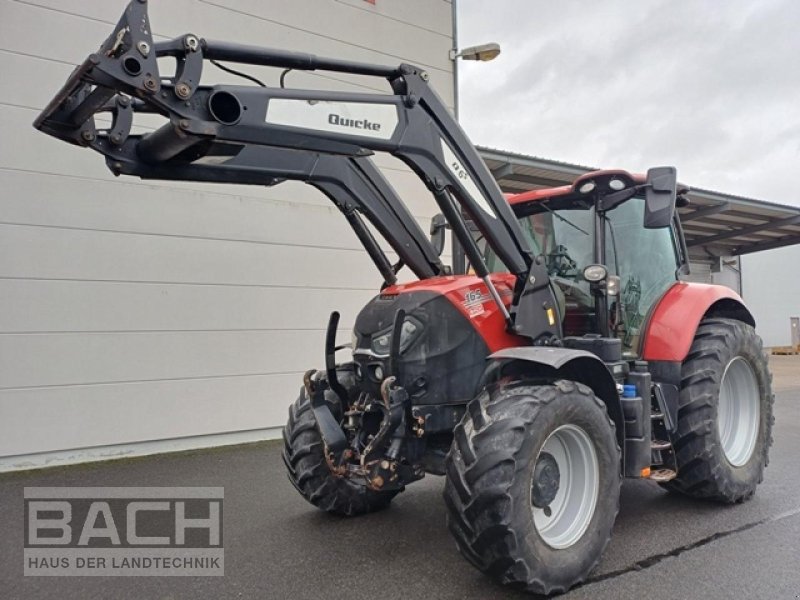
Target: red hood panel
[{"x": 469, "y": 294}]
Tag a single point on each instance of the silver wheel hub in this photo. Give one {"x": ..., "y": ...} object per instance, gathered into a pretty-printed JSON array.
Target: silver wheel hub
[
  {"x": 738, "y": 411},
  {"x": 565, "y": 486}
]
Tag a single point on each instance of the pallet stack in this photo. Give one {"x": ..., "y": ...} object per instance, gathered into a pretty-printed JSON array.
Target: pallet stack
[{"x": 786, "y": 350}]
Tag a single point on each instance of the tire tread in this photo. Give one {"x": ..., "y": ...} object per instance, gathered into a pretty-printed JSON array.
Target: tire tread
[
  {"x": 700, "y": 474},
  {"x": 477, "y": 490}
]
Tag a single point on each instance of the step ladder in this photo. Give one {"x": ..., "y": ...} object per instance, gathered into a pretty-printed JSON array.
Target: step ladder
[{"x": 662, "y": 455}]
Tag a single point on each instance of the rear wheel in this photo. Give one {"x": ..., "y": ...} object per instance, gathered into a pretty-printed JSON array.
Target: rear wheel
[
  {"x": 725, "y": 414},
  {"x": 533, "y": 481},
  {"x": 308, "y": 471}
]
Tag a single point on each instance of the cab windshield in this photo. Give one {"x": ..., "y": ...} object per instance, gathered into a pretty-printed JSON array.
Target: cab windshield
[{"x": 644, "y": 259}]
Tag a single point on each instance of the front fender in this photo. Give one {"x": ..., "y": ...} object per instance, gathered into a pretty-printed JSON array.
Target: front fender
[
  {"x": 562, "y": 363},
  {"x": 670, "y": 330}
]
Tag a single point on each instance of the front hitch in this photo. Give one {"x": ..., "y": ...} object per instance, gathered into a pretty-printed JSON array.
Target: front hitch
[{"x": 396, "y": 403}]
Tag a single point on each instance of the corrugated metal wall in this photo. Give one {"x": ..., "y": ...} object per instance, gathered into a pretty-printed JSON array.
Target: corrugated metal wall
[
  {"x": 700, "y": 273},
  {"x": 135, "y": 312}
]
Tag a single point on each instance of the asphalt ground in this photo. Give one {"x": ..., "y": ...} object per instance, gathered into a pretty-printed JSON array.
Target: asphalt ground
[{"x": 277, "y": 546}]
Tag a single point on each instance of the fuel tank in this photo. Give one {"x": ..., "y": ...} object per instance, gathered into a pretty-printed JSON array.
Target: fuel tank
[{"x": 451, "y": 326}]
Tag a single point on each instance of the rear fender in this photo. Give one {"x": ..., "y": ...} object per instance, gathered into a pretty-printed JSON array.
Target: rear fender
[
  {"x": 548, "y": 363},
  {"x": 674, "y": 320}
]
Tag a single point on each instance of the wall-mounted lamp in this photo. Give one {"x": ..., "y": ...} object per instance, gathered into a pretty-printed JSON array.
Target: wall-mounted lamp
[{"x": 484, "y": 52}]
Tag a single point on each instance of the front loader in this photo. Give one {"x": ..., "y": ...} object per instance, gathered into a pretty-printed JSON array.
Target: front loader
[{"x": 568, "y": 357}]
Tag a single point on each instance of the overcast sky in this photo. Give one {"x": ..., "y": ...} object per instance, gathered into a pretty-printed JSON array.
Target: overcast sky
[{"x": 711, "y": 87}]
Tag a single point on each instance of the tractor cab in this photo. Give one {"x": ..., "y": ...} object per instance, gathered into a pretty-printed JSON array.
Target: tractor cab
[{"x": 607, "y": 262}]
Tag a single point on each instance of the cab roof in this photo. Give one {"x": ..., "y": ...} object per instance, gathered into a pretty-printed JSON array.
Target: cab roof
[{"x": 565, "y": 190}]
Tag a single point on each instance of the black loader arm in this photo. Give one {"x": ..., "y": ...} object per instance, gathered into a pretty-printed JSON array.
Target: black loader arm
[
  {"x": 357, "y": 187},
  {"x": 354, "y": 184},
  {"x": 263, "y": 135}
]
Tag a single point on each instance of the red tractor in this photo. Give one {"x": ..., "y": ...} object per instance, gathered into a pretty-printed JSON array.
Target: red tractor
[{"x": 569, "y": 357}]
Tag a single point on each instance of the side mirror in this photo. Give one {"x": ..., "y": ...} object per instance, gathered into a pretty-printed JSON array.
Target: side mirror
[
  {"x": 438, "y": 225},
  {"x": 660, "y": 196}
]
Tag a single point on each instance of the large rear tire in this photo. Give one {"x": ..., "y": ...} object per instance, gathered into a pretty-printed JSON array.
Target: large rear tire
[
  {"x": 725, "y": 414},
  {"x": 519, "y": 453},
  {"x": 308, "y": 471}
]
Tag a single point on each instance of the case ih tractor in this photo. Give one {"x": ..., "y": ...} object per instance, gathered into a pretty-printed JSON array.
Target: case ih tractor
[{"x": 568, "y": 357}]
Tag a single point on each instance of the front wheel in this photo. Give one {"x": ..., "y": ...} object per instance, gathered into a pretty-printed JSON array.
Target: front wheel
[
  {"x": 724, "y": 415},
  {"x": 309, "y": 473},
  {"x": 533, "y": 480}
]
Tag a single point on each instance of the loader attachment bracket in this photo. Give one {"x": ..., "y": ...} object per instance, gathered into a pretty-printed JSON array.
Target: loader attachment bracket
[{"x": 125, "y": 63}]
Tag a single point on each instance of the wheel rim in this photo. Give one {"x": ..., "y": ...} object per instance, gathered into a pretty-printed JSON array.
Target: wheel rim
[
  {"x": 738, "y": 411},
  {"x": 566, "y": 518}
]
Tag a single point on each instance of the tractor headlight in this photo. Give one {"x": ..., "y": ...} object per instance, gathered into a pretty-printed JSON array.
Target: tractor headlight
[
  {"x": 617, "y": 185},
  {"x": 410, "y": 331},
  {"x": 587, "y": 187},
  {"x": 612, "y": 286},
  {"x": 382, "y": 343},
  {"x": 595, "y": 273}
]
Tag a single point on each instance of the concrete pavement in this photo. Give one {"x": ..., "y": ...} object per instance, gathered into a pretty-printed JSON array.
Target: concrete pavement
[{"x": 277, "y": 546}]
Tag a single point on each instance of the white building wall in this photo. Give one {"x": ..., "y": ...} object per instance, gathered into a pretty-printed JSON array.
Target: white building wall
[
  {"x": 771, "y": 289},
  {"x": 138, "y": 317}
]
